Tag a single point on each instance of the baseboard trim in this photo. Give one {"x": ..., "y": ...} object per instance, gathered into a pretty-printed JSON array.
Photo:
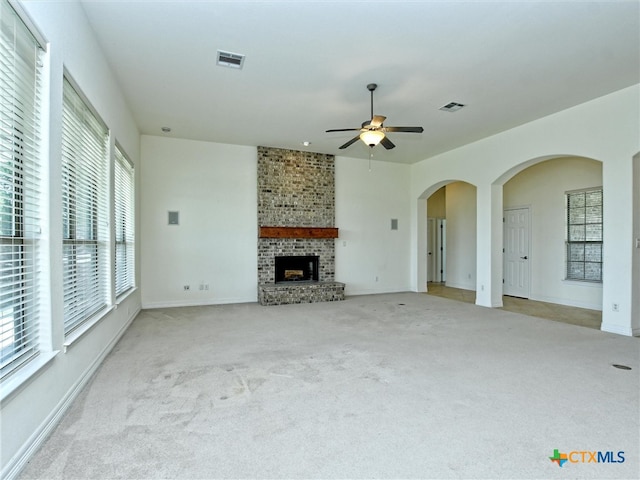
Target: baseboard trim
[
  {"x": 196, "y": 303},
  {"x": 618, "y": 329},
  {"x": 350, "y": 292},
  {"x": 20, "y": 459}
]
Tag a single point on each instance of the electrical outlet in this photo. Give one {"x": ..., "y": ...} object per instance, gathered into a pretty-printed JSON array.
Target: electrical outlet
[
  {"x": 186, "y": 287},
  {"x": 615, "y": 307},
  {"x": 206, "y": 286}
]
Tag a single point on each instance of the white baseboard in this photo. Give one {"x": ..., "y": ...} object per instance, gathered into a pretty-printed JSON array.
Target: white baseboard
[
  {"x": 350, "y": 292},
  {"x": 35, "y": 441},
  {"x": 196, "y": 303},
  {"x": 619, "y": 329}
]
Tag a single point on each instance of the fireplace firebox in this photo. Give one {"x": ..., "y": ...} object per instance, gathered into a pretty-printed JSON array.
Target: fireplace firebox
[{"x": 297, "y": 268}]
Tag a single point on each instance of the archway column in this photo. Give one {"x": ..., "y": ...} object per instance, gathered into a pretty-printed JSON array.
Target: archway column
[
  {"x": 489, "y": 238},
  {"x": 618, "y": 247},
  {"x": 419, "y": 267}
]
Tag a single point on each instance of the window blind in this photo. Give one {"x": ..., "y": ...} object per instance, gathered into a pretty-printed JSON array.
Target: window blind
[
  {"x": 584, "y": 235},
  {"x": 20, "y": 190},
  {"x": 84, "y": 210},
  {"x": 124, "y": 223}
]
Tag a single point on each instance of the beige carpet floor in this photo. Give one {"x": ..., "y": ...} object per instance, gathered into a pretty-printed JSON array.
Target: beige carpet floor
[{"x": 380, "y": 386}]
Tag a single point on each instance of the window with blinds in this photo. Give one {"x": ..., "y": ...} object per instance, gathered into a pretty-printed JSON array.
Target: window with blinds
[
  {"x": 124, "y": 226},
  {"x": 85, "y": 164},
  {"x": 584, "y": 235},
  {"x": 20, "y": 187}
]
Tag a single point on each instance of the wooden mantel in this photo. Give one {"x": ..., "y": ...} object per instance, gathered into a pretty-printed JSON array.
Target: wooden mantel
[{"x": 298, "y": 232}]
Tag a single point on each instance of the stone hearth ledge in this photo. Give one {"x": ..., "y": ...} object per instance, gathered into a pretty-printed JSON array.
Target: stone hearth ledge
[{"x": 308, "y": 292}]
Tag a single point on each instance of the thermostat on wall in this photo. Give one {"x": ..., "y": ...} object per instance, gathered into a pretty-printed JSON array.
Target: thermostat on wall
[{"x": 174, "y": 218}]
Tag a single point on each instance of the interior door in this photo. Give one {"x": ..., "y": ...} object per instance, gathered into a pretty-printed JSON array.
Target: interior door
[
  {"x": 441, "y": 250},
  {"x": 431, "y": 245},
  {"x": 516, "y": 252}
]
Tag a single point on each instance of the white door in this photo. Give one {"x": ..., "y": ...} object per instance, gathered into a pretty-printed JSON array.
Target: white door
[
  {"x": 516, "y": 252},
  {"x": 441, "y": 250},
  {"x": 431, "y": 246}
]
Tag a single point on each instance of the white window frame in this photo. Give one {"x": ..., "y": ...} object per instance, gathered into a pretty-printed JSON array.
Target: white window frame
[
  {"x": 21, "y": 187},
  {"x": 85, "y": 205},
  {"x": 584, "y": 235},
  {"x": 124, "y": 223}
]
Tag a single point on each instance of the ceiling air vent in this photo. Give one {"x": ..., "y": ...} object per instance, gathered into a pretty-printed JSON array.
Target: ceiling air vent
[
  {"x": 451, "y": 107},
  {"x": 227, "y": 59}
]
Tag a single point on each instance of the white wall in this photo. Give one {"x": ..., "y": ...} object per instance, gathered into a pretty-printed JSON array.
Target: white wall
[
  {"x": 542, "y": 187},
  {"x": 370, "y": 257},
  {"x": 35, "y": 397},
  {"x": 604, "y": 129},
  {"x": 214, "y": 189},
  {"x": 635, "y": 284},
  {"x": 461, "y": 235}
]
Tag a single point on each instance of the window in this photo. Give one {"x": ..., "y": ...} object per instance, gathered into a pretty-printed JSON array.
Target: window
[
  {"x": 20, "y": 201},
  {"x": 584, "y": 235},
  {"x": 85, "y": 165},
  {"x": 124, "y": 228}
]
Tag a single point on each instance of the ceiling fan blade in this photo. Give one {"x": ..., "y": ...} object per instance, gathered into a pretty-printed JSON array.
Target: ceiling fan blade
[
  {"x": 350, "y": 142},
  {"x": 386, "y": 143},
  {"x": 377, "y": 120},
  {"x": 343, "y": 130},
  {"x": 404, "y": 129}
]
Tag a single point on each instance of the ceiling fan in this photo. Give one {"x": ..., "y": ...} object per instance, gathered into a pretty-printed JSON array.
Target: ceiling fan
[{"x": 373, "y": 131}]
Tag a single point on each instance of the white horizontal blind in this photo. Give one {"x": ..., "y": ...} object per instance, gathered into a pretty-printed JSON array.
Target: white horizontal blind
[
  {"x": 124, "y": 223},
  {"x": 584, "y": 235},
  {"x": 84, "y": 210},
  {"x": 20, "y": 194}
]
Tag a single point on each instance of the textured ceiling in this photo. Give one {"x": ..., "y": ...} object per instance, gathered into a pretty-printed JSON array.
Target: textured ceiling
[{"x": 308, "y": 63}]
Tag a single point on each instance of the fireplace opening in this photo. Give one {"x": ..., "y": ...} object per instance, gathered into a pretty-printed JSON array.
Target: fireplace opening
[{"x": 297, "y": 269}]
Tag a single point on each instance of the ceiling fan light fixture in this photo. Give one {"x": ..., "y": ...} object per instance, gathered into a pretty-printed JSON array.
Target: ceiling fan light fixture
[{"x": 372, "y": 137}]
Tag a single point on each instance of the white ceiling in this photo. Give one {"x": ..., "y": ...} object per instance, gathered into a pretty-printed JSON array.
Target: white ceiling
[{"x": 308, "y": 63}]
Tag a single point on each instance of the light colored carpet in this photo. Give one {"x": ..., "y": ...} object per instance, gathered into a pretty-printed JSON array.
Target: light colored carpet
[{"x": 381, "y": 386}]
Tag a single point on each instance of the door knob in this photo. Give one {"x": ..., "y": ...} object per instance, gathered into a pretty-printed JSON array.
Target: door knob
[{"x": 524, "y": 258}]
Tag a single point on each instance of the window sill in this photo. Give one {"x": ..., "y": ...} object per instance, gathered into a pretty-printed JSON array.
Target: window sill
[
  {"x": 123, "y": 296},
  {"x": 78, "y": 333},
  {"x": 19, "y": 379},
  {"x": 583, "y": 283}
]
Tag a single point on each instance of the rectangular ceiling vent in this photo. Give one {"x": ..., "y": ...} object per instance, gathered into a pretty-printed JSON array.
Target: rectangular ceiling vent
[
  {"x": 451, "y": 107},
  {"x": 227, "y": 59}
]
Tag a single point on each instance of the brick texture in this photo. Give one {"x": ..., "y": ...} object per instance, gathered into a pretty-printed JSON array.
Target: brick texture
[{"x": 296, "y": 189}]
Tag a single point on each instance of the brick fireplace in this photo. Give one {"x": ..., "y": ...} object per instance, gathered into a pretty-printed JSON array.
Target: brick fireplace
[{"x": 296, "y": 215}]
